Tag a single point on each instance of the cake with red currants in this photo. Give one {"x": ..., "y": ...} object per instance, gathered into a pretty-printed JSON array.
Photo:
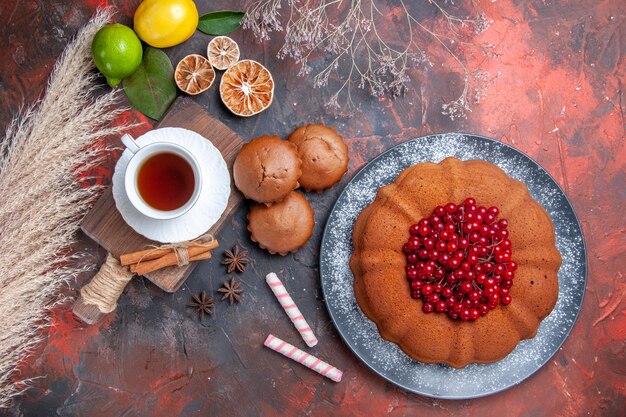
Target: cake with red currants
[{"x": 455, "y": 262}]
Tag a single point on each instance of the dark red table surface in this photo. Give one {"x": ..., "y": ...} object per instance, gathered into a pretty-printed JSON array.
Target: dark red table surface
[{"x": 559, "y": 98}]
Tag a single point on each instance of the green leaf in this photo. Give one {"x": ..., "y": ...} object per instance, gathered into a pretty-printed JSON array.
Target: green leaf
[
  {"x": 151, "y": 89},
  {"x": 220, "y": 23}
]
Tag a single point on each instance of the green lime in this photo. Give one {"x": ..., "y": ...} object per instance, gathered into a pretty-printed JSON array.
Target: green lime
[{"x": 117, "y": 51}]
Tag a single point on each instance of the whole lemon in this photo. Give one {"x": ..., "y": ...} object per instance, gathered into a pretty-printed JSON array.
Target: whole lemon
[
  {"x": 117, "y": 52},
  {"x": 165, "y": 23}
]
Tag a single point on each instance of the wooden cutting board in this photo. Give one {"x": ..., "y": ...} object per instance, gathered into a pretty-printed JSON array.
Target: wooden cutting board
[{"x": 104, "y": 224}]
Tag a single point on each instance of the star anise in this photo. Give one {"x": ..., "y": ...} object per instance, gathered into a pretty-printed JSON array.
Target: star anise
[
  {"x": 201, "y": 304},
  {"x": 236, "y": 260},
  {"x": 232, "y": 291}
]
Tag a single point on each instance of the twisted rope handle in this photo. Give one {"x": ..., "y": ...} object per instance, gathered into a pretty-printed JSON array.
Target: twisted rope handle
[{"x": 107, "y": 285}]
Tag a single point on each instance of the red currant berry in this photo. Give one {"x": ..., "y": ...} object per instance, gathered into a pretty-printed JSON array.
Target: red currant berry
[
  {"x": 441, "y": 306},
  {"x": 427, "y": 308},
  {"x": 443, "y": 258},
  {"x": 454, "y": 263},
  {"x": 502, "y": 234},
  {"x": 472, "y": 259},
  {"x": 489, "y": 291},
  {"x": 450, "y": 208},
  {"x": 470, "y": 201},
  {"x": 415, "y": 242},
  {"x": 466, "y": 286}
]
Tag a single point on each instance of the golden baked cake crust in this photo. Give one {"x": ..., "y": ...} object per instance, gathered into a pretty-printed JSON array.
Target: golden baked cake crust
[
  {"x": 324, "y": 156},
  {"x": 282, "y": 227},
  {"x": 378, "y": 263},
  {"x": 267, "y": 169}
]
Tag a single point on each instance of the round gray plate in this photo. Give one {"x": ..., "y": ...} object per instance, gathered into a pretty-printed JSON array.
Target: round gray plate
[{"x": 385, "y": 358}]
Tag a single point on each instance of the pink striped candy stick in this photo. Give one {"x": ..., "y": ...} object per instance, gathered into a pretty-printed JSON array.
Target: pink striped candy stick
[
  {"x": 303, "y": 358},
  {"x": 291, "y": 309}
]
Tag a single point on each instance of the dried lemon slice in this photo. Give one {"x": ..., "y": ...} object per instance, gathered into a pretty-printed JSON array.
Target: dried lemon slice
[
  {"x": 194, "y": 74},
  {"x": 223, "y": 52},
  {"x": 247, "y": 88}
]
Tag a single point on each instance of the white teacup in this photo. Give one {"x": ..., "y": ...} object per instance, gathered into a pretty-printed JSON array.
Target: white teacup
[{"x": 142, "y": 154}]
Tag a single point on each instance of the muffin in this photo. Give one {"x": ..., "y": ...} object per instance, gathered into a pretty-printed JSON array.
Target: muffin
[
  {"x": 282, "y": 227},
  {"x": 267, "y": 169},
  {"x": 324, "y": 156}
]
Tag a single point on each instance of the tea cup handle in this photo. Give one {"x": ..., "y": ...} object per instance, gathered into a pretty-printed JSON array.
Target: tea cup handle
[{"x": 130, "y": 143}]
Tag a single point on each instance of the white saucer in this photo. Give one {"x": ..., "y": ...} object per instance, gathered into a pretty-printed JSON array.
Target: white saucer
[{"x": 211, "y": 202}]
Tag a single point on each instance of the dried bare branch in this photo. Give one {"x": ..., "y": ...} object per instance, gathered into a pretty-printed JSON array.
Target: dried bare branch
[{"x": 358, "y": 56}]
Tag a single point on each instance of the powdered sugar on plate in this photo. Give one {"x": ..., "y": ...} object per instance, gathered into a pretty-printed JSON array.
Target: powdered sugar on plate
[{"x": 384, "y": 357}]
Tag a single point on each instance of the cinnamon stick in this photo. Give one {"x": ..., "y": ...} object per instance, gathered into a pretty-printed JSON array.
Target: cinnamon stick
[
  {"x": 150, "y": 254},
  {"x": 199, "y": 257},
  {"x": 170, "y": 259},
  {"x": 142, "y": 255}
]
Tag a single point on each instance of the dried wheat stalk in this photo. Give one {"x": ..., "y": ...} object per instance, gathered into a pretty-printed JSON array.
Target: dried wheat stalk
[{"x": 44, "y": 151}]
